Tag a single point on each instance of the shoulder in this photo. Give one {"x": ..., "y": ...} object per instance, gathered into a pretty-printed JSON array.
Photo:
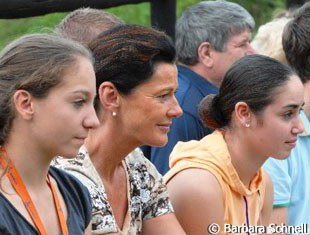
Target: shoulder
[
  {"x": 72, "y": 189},
  {"x": 191, "y": 182},
  {"x": 187, "y": 93},
  {"x": 197, "y": 199},
  {"x": 142, "y": 173},
  {"x": 194, "y": 186},
  {"x": 81, "y": 167},
  {"x": 81, "y": 161},
  {"x": 77, "y": 198},
  {"x": 69, "y": 183},
  {"x": 137, "y": 163},
  {"x": 147, "y": 186}
]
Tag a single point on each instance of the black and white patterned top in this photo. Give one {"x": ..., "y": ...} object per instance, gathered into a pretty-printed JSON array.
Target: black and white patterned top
[{"x": 148, "y": 197}]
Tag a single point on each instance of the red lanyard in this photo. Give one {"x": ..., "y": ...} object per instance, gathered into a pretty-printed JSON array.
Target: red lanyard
[{"x": 21, "y": 190}]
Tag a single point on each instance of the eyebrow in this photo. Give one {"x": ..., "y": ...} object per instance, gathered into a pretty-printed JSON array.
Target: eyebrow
[
  {"x": 245, "y": 39},
  {"x": 293, "y": 106},
  {"x": 84, "y": 92}
]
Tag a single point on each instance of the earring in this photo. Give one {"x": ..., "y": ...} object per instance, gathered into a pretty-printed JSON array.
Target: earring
[
  {"x": 114, "y": 114},
  {"x": 247, "y": 125}
]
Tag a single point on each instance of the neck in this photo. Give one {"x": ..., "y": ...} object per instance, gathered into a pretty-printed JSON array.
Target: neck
[
  {"x": 242, "y": 156},
  {"x": 30, "y": 164},
  {"x": 107, "y": 155}
]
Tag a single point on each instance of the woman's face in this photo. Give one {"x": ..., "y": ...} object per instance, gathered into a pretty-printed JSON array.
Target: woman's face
[
  {"x": 62, "y": 119},
  {"x": 148, "y": 111},
  {"x": 276, "y": 128}
]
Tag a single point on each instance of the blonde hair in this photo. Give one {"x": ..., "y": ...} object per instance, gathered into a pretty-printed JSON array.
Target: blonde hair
[
  {"x": 268, "y": 40},
  {"x": 85, "y": 24}
]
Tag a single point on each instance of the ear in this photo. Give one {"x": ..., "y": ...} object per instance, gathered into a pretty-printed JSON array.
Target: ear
[
  {"x": 205, "y": 54},
  {"x": 23, "y": 104},
  {"x": 243, "y": 114},
  {"x": 109, "y": 96}
]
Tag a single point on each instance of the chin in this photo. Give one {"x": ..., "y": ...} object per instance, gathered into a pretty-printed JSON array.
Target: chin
[
  {"x": 281, "y": 156},
  {"x": 159, "y": 143},
  {"x": 70, "y": 153}
]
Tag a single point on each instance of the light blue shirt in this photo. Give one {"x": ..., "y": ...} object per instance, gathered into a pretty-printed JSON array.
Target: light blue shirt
[{"x": 291, "y": 179}]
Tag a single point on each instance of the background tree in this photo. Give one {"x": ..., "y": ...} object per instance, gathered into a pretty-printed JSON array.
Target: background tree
[
  {"x": 262, "y": 10},
  {"x": 294, "y": 3}
]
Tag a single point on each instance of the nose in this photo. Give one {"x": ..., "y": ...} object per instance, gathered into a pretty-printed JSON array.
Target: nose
[
  {"x": 250, "y": 50},
  {"x": 175, "y": 110},
  {"x": 91, "y": 120},
  {"x": 299, "y": 127}
]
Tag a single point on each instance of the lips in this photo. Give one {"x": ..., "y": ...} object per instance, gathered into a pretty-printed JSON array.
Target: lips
[
  {"x": 80, "y": 139},
  {"x": 292, "y": 142},
  {"x": 164, "y": 127}
]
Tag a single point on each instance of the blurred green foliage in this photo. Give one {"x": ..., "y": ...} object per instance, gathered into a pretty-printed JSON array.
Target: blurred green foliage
[{"x": 262, "y": 10}]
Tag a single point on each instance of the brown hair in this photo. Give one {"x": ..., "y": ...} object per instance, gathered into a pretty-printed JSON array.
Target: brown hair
[
  {"x": 34, "y": 63},
  {"x": 127, "y": 55},
  {"x": 253, "y": 80},
  {"x": 296, "y": 43}
]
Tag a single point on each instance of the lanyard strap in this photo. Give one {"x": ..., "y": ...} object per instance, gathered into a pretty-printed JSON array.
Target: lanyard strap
[
  {"x": 60, "y": 214},
  {"x": 21, "y": 190}
]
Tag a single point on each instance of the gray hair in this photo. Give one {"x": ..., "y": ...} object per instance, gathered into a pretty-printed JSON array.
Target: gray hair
[
  {"x": 211, "y": 21},
  {"x": 85, "y": 24},
  {"x": 35, "y": 63}
]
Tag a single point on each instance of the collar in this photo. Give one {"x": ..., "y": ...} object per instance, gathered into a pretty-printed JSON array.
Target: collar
[{"x": 202, "y": 84}]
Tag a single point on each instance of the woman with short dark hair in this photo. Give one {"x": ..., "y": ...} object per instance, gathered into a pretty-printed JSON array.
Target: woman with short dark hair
[{"x": 136, "y": 81}]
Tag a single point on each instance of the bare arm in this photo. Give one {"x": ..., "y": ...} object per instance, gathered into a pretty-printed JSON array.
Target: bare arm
[
  {"x": 165, "y": 224},
  {"x": 268, "y": 201},
  {"x": 272, "y": 215},
  {"x": 197, "y": 200},
  {"x": 279, "y": 215},
  {"x": 88, "y": 230}
]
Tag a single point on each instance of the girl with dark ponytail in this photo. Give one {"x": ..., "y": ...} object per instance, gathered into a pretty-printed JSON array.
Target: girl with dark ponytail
[{"x": 217, "y": 182}]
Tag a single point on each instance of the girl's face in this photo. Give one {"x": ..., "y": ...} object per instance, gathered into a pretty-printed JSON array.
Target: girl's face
[
  {"x": 62, "y": 119},
  {"x": 277, "y": 127},
  {"x": 148, "y": 111}
]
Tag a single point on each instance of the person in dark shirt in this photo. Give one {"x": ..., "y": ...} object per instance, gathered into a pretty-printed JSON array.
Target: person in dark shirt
[{"x": 47, "y": 91}]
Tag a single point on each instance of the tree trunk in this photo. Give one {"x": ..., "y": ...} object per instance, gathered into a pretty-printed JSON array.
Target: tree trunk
[
  {"x": 292, "y": 4},
  {"x": 163, "y": 15}
]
